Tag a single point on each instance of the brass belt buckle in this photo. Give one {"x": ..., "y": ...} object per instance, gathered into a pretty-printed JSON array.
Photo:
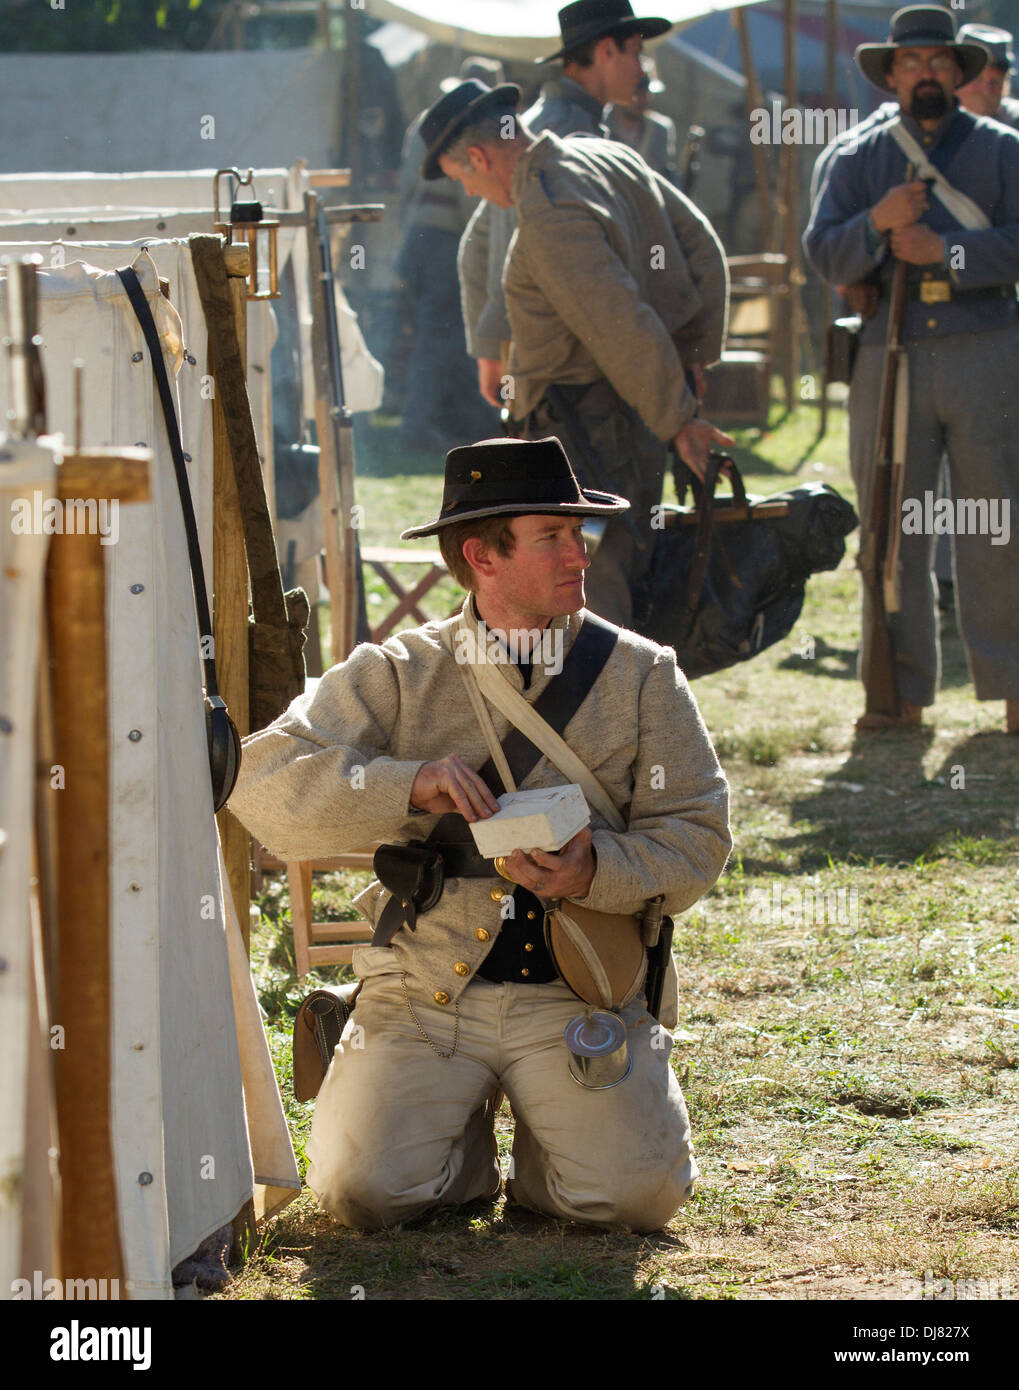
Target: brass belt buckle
[
  {"x": 500, "y": 866},
  {"x": 935, "y": 291}
]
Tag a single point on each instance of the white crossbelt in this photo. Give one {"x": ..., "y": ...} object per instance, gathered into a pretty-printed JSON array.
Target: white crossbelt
[{"x": 962, "y": 208}]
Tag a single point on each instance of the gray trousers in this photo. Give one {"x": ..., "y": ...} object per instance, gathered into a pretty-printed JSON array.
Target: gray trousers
[
  {"x": 400, "y": 1125},
  {"x": 633, "y": 465},
  {"x": 964, "y": 402}
]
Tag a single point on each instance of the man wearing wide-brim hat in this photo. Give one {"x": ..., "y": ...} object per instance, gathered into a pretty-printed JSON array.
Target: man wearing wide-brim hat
[
  {"x": 989, "y": 92},
  {"x": 597, "y": 64},
  {"x": 956, "y": 227},
  {"x": 616, "y": 287},
  {"x": 460, "y": 997}
]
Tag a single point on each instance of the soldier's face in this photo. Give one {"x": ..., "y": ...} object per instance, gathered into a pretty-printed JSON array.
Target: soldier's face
[
  {"x": 479, "y": 176},
  {"x": 983, "y": 95},
  {"x": 544, "y": 576},
  {"x": 924, "y": 80},
  {"x": 622, "y": 69}
]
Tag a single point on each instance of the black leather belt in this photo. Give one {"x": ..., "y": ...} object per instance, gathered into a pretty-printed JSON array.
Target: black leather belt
[
  {"x": 415, "y": 873},
  {"x": 942, "y": 291}
]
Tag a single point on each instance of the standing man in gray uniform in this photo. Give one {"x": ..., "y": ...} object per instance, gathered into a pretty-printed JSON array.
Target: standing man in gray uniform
[
  {"x": 440, "y": 405},
  {"x": 960, "y": 335},
  {"x": 600, "y": 54},
  {"x": 989, "y": 93},
  {"x": 617, "y": 291}
]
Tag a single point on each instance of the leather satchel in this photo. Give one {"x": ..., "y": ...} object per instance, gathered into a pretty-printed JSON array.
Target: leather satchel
[
  {"x": 600, "y": 955},
  {"x": 318, "y": 1027}
]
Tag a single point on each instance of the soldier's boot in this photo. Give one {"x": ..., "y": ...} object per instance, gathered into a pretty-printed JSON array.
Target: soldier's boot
[{"x": 909, "y": 717}]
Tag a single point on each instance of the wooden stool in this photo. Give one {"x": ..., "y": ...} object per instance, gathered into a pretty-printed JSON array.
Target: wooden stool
[
  {"x": 380, "y": 558},
  {"x": 318, "y": 943}
]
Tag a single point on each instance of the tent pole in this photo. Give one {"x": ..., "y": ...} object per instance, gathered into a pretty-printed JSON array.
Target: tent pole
[
  {"x": 755, "y": 101},
  {"x": 790, "y": 201},
  {"x": 76, "y": 608}
]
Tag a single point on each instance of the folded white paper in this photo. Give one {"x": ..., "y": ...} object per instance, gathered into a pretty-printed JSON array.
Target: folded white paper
[{"x": 544, "y": 819}]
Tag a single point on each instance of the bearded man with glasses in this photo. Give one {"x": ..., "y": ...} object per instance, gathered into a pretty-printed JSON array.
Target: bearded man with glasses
[{"x": 956, "y": 226}]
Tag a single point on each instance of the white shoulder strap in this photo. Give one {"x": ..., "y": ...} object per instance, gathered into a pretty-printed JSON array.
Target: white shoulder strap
[
  {"x": 962, "y": 208},
  {"x": 493, "y": 684}
]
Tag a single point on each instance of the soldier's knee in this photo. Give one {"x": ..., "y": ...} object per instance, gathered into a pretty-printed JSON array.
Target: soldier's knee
[{"x": 361, "y": 1201}]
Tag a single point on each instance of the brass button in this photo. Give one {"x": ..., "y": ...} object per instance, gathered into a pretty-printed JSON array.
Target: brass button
[
  {"x": 403, "y": 902},
  {"x": 461, "y": 968},
  {"x": 928, "y": 275},
  {"x": 932, "y": 323},
  {"x": 531, "y": 916},
  {"x": 496, "y": 894},
  {"x": 528, "y": 945},
  {"x": 481, "y": 934},
  {"x": 525, "y": 971},
  {"x": 441, "y": 997}
]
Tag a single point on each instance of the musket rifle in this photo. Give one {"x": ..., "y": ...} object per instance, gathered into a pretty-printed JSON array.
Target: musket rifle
[
  {"x": 335, "y": 423},
  {"x": 878, "y": 548}
]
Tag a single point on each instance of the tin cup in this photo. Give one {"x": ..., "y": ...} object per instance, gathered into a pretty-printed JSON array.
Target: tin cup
[{"x": 598, "y": 1054}]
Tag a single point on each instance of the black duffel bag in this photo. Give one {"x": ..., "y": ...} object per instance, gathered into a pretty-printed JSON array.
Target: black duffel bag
[{"x": 728, "y": 575}]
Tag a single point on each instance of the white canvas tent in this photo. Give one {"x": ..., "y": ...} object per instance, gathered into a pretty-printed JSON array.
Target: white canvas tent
[
  {"x": 191, "y": 1076},
  {"x": 516, "y": 28}
]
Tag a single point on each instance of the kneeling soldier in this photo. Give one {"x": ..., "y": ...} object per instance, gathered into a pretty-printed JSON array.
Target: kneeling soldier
[{"x": 460, "y": 995}]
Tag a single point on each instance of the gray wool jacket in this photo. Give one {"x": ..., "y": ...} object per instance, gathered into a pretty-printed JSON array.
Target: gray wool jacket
[
  {"x": 613, "y": 273},
  {"x": 565, "y": 108},
  {"x": 334, "y": 774}
]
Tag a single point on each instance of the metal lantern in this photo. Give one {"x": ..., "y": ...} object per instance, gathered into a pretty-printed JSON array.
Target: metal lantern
[{"x": 248, "y": 226}]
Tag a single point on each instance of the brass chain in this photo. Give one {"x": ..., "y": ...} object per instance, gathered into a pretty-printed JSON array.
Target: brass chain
[{"x": 456, "y": 1026}]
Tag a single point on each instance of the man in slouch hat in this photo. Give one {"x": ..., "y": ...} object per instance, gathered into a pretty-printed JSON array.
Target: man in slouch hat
[
  {"x": 989, "y": 94},
  {"x": 599, "y": 55},
  {"x": 956, "y": 226},
  {"x": 617, "y": 292},
  {"x": 460, "y": 996}
]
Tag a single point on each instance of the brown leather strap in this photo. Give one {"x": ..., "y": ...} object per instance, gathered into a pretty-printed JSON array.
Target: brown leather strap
[
  {"x": 705, "y": 532},
  {"x": 217, "y": 305}
]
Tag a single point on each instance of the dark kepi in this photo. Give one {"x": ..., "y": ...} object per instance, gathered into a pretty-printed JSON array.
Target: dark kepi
[
  {"x": 468, "y": 102},
  {"x": 588, "y": 20},
  {"x": 525, "y": 477},
  {"x": 919, "y": 26},
  {"x": 998, "y": 43}
]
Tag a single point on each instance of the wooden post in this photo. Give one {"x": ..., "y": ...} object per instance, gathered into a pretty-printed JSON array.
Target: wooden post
[
  {"x": 755, "y": 101},
  {"x": 791, "y": 231},
  {"x": 230, "y": 608},
  {"x": 341, "y": 572},
  {"x": 76, "y": 606}
]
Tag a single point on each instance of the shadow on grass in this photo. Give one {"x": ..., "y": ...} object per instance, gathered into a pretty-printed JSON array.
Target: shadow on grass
[
  {"x": 879, "y": 804},
  {"x": 483, "y": 1250}
]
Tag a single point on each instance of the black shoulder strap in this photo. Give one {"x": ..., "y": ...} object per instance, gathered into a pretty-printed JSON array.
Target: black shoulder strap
[
  {"x": 557, "y": 704},
  {"x": 140, "y": 305}
]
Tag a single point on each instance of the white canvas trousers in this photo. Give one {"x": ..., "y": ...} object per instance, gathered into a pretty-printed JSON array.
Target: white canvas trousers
[{"x": 399, "y": 1130}]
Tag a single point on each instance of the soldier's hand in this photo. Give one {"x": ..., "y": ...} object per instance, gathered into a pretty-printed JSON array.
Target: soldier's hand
[
  {"x": 900, "y": 207},
  {"x": 450, "y": 785},
  {"x": 567, "y": 874},
  {"x": 490, "y": 380},
  {"x": 696, "y": 440},
  {"x": 918, "y": 245}
]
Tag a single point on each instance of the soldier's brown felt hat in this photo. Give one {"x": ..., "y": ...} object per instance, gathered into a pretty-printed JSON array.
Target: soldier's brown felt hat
[
  {"x": 525, "y": 477},
  {"x": 919, "y": 26},
  {"x": 588, "y": 20},
  {"x": 468, "y": 101}
]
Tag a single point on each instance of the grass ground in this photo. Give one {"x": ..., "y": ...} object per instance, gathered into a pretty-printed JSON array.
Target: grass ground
[{"x": 849, "y": 1022}]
